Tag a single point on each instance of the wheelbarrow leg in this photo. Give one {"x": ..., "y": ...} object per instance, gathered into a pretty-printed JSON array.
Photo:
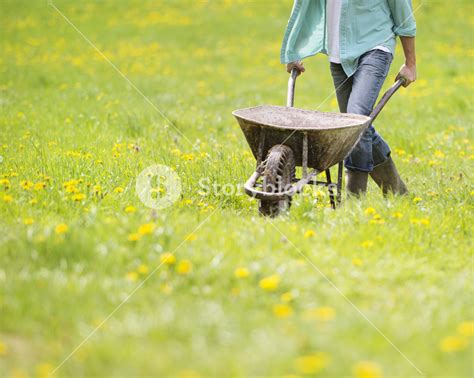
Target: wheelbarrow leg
[
  {"x": 330, "y": 188},
  {"x": 260, "y": 147},
  {"x": 339, "y": 182},
  {"x": 305, "y": 154}
]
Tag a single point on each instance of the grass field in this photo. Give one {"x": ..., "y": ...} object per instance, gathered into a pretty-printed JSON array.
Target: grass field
[{"x": 378, "y": 287}]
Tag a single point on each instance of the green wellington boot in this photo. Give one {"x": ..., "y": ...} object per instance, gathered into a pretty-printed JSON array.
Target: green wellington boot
[
  {"x": 356, "y": 182},
  {"x": 387, "y": 178}
]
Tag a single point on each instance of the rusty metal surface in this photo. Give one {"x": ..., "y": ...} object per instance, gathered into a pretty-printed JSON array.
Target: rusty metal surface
[{"x": 331, "y": 136}]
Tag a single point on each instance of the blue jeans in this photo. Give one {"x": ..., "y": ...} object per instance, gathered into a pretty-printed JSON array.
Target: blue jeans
[{"x": 357, "y": 94}]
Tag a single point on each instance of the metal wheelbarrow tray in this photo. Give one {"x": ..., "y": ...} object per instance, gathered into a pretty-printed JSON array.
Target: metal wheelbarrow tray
[
  {"x": 330, "y": 136},
  {"x": 289, "y": 137}
]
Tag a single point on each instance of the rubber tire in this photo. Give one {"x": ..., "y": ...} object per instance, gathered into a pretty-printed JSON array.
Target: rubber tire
[{"x": 279, "y": 171}]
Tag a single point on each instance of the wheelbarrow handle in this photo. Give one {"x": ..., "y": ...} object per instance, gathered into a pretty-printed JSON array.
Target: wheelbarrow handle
[
  {"x": 290, "y": 98},
  {"x": 386, "y": 96}
]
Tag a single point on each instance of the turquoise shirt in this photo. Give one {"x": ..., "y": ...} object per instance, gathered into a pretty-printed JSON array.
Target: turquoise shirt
[{"x": 364, "y": 24}]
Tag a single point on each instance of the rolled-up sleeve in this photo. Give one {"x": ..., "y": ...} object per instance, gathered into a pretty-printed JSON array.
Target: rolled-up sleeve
[{"x": 403, "y": 19}]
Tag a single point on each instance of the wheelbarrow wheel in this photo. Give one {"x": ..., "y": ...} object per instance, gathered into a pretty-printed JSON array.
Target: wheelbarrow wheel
[{"x": 279, "y": 171}]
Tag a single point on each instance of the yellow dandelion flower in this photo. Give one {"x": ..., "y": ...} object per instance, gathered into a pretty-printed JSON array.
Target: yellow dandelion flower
[
  {"x": 309, "y": 234},
  {"x": 270, "y": 283},
  {"x": 377, "y": 219},
  {"x": 320, "y": 194},
  {"x": 33, "y": 201},
  {"x": 312, "y": 363},
  {"x": 367, "y": 244},
  {"x": 28, "y": 221},
  {"x": 175, "y": 152},
  {"x": 131, "y": 276},
  {"x": 191, "y": 237},
  {"x": 97, "y": 189},
  {"x": 71, "y": 189},
  {"x": 241, "y": 272},
  {"x": 356, "y": 261},
  {"x": 422, "y": 221},
  {"x": 61, "y": 228},
  {"x": 118, "y": 189},
  {"x": 466, "y": 328},
  {"x": 143, "y": 269},
  {"x": 286, "y": 297},
  {"x": 130, "y": 209},
  {"x": 5, "y": 182},
  {"x": 453, "y": 344},
  {"x": 417, "y": 199},
  {"x": 146, "y": 229},
  {"x": 78, "y": 197},
  {"x": 282, "y": 311},
  {"x": 134, "y": 236},
  {"x": 399, "y": 151},
  {"x": 72, "y": 182},
  {"x": 7, "y": 198},
  {"x": 439, "y": 154},
  {"x": 187, "y": 202},
  {"x": 324, "y": 313},
  {"x": 188, "y": 156},
  {"x": 184, "y": 267},
  {"x": 367, "y": 369},
  {"x": 370, "y": 211},
  {"x": 40, "y": 185},
  {"x": 44, "y": 370},
  {"x": 397, "y": 214},
  {"x": 26, "y": 185},
  {"x": 3, "y": 349},
  {"x": 167, "y": 259}
]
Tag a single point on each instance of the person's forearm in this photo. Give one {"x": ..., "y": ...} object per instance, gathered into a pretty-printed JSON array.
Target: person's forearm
[
  {"x": 408, "y": 70},
  {"x": 408, "y": 44}
]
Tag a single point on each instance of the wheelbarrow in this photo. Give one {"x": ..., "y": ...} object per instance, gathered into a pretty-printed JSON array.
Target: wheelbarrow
[{"x": 289, "y": 137}]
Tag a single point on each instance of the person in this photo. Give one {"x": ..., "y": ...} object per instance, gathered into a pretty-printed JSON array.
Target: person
[{"x": 359, "y": 37}]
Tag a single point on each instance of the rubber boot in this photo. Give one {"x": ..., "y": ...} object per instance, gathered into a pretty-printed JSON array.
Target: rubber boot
[
  {"x": 387, "y": 178},
  {"x": 356, "y": 182}
]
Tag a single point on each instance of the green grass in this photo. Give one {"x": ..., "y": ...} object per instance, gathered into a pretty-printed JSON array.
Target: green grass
[{"x": 404, "y": 263}]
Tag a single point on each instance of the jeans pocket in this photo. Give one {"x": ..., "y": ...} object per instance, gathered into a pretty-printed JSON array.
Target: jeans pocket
[
  {"x": 382, "y": 56},
  {"x": 377, "y": 62}
]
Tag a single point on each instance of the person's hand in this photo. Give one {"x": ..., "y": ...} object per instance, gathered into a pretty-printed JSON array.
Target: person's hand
[
  {"x": 408, "y": 72},
  {"x": 297, "y": 65}
]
